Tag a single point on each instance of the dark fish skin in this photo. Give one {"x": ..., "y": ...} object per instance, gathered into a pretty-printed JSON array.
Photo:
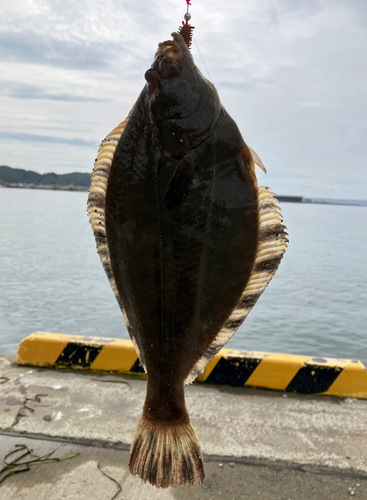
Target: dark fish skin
[
  {"x": 188, "y": 242},
  {"x": 180, "y": 269},
  {"x": 182, "y": 226}
]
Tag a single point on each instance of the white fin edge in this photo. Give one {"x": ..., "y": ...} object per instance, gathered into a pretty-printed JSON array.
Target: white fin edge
[{"x": 96, "y": 209}]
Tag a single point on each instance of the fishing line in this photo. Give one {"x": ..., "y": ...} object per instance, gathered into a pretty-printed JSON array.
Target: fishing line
[
  {"x": 186, "y": 31},
  {"x": 197, "y": 46}
]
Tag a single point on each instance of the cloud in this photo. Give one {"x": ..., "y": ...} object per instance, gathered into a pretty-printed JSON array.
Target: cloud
[
  {"x": 292, "y": 75},
  {"x": 24, "y": 91},
  {"x": 40, "y": 49},
  {"x": 4, "y": 136}
]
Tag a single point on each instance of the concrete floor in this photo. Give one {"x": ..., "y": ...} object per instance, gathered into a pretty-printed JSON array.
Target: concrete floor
[
  {"x": 227, "y": 478},
  {"x": 256, "y": 444}
]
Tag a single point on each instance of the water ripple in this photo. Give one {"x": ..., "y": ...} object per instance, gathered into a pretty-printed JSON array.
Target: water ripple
[{"x": 52, "y": 279}]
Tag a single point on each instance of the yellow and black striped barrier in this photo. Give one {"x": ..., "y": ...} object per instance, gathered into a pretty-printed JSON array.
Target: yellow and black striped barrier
[{"x": 283, "y": 372}]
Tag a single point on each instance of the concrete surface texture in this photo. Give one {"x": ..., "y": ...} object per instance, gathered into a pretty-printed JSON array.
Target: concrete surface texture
[{"x": 256, "y": 444}]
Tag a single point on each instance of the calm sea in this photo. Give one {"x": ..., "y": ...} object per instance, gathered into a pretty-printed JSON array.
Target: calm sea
[{"x": 52, "y": 280}]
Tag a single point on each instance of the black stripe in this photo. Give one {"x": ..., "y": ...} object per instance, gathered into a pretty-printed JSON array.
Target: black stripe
[
  {"x": 272, "y": 233},
  {"x": 250, "y": 300},
  {"x": 101, "y": 240},
  {"x": 269, "y": 206},
  {"x": 137, "y": 367},
  {"x": 233, "y": 324},
  {"x": 98, "y": 234},
  {"x": 233, "y": 371},
  {"x": 102, "y": 171},
  {"x": 76, "y": 354},
  {"x": 270, "y": 265},
  {"x": 313, "y": 379},
  {"x": 96, "y": 200}
]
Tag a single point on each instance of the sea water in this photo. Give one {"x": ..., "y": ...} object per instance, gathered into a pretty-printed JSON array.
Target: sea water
[{"x": 51, "y": 278}]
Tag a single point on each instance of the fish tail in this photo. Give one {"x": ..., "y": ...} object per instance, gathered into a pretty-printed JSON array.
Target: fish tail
[{"x": 166, "y": 454}]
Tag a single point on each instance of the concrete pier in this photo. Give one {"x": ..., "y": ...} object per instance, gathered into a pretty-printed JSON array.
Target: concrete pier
[{"x": 256, "y": 444}]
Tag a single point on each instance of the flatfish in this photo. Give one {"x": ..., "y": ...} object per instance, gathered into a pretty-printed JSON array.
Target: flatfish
[{"x": 188, "y": 241}]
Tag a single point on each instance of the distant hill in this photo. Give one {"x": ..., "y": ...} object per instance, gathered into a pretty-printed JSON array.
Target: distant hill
[{"x": 18, "y": 176}]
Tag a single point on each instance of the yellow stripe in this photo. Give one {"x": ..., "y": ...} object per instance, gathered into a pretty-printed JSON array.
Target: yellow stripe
[
  {"x": 276, "y": 371},
  {"x": 119, "y": 355},
  {"x": 352, "y": 382},
  {"x": 211, "y": 365},
  {"x": 41, "y": 348}
]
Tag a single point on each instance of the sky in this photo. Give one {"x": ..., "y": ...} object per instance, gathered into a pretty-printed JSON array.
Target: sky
[{"x": 292, "y": 73}]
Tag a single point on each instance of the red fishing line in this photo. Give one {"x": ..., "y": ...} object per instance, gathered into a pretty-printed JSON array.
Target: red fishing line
[
  {"x": 187, "y": 17},
  {"x": 186, "y": 29}
]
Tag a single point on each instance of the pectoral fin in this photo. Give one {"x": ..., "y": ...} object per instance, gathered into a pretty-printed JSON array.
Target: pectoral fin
[{"x": 257, "y": 160}]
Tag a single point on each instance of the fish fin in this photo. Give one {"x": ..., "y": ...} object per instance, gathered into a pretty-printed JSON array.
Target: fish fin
[
  {"x": 137, "y": 349},
  {"x": 180, "y": 184},
  {"x": 272, "y": 244},
  {"x": 166, "y": 455},
  {"x": 96, "y": 208},
  {"x": 257, "y": 160},
  {"x": 97, "y": 201}
]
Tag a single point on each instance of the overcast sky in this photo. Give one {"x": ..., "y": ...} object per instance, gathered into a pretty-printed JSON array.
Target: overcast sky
[{"x": 292, "y": 73}]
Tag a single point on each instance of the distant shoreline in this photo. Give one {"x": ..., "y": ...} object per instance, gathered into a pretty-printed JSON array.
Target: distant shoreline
[
  {"x": 28, "y": 179},
  {"x": 46, "y": 187},
  {"x": 321, "y": 201},
  {"x": 281, "y": 198},
  {"x": 78, "y": 181}
]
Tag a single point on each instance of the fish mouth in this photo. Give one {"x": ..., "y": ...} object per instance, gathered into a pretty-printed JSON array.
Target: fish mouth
[
  {"x": 169, "y": 59},
  {"x": 175, "y": 49}
]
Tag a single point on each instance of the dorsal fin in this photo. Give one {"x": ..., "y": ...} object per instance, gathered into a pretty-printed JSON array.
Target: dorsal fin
[
  {"x": 96, "y": 209},
  {"x": 271, "y": 247}
]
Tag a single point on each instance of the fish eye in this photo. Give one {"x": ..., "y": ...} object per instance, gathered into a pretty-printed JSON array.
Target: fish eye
[
  {"x": 167, "y": 68},
  {"x": 151, "y": 75}
]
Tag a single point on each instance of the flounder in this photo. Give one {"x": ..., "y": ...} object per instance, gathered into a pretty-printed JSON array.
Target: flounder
[{"x": 188, "y": 241}]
